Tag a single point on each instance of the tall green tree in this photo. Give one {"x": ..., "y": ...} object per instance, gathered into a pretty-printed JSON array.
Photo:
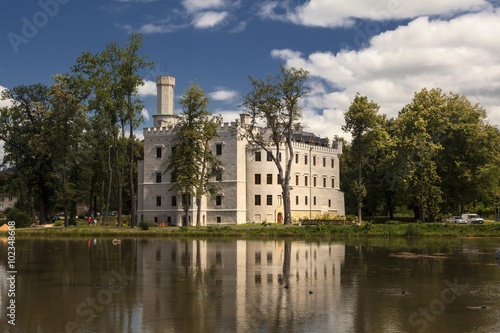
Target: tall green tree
[
  {"x": 418, "y": 149},
  {"x": 112, "y": 78},
  {"x": 67, "y": 131},
  {"x": 25, "y": 148},
  {"x": 192, "y": 162},
  {"x": 132, "y": 63},
  {"x": 276, "y": 103},
  {"x": 365, "y": 125}
]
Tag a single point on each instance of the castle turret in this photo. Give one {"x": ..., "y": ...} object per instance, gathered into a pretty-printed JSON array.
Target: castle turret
[{"x": 165, "y": 101}]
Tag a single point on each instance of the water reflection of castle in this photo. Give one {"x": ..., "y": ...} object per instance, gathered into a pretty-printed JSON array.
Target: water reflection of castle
[{"x": 235, "y": 280}]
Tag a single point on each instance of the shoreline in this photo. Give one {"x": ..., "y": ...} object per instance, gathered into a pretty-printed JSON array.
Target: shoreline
[{"x": 406, "y": 230}]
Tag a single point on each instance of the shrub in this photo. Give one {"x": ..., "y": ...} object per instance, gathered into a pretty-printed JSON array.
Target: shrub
[
  {"x": 412, "y": 230},
  {"x": 58, "y": 223},
  {"x": 366, "y": 226},
  {"x": 144, "y": 225},
  {"x": 21, "y": 218},
  {"x": 72, "y": 221}
]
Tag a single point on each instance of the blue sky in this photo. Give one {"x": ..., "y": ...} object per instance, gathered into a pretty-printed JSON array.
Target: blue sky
[{"x": 384, "y": 49}]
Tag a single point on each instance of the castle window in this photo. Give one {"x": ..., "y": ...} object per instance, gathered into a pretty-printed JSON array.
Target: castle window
[
  {"x": 257, "y": 156},
  {"x": 324, "y": 182},
  {"x": 173, "y": 201},
  {"x": 257, "y": 179},
  {"x": 269, "y": 200},
  {"x": 314, "y": 181},
  {"x": 278, "y": 179},
  {"x": 296, "y": 158},
  {"x": 296, "y": 180},
  {"x": 219, "y": 219},
  {"x": 218, "y": 200},
  {"x": 269, "y": 179},
  {"x": 218, "y": 149},
  {"x": 314, "y": 201},
  {"x": 296, "y": 199},
  {"x": 305, "y": 159},
  {"x": 269, "y": 156},
  {"x": 158, "y": 152},
  {"x": 333, "y": 182},
  {"x": 324, "y": 162},
  {"x": 257, "y": 200},
  {"x": 158, "y": 177},
  {"x": 329, "y": 202},
  {"x": 305, "y": 200},
  {"x": 158, "y": 201},
  {"x": 305, "y": 180},
  {"x": 333, "y": 163},
  {"x": 314, "y": 160}
]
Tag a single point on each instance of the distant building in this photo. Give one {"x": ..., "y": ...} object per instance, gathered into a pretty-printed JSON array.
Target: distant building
[
  {"x": 7, "y": 201},
  {"x": 250, "y": 191}
]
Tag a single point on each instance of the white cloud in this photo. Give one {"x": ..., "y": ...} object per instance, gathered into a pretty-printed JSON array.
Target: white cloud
[
  {"x": 151, "y": 28},
  {"x": 338, "y": 13},
  {"x": 460, "y": 55},
  {"x": 147, "y": 89},
  {"x": 2, "y": 102},
  {"x": 145, "y": 114},
  {"x": 224, "y": 95},
  {"x": 210, "y": 19},
  {"x": 201, "y": 5}
]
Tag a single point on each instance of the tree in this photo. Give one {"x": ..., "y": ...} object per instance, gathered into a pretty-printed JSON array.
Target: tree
[
  {"x": 192, "y": 163},
  {"x": 275, "y": 102},
  {"x": 67, "y": 132},
  {"x": 366, "y": 128},
  {"x": 21, "y": 127},
  {"x": 417, "y": 152},
  {"x": 132, "y": 62},
  {"x": 112, "y": 79}
]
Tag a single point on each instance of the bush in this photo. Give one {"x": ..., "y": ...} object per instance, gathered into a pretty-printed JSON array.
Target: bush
[
  {"x": 58, "y": 223},
  {"x": 72, "y": 221},
  {"x": 21, "y": 218},
  {"x": 144, "y": 225}
]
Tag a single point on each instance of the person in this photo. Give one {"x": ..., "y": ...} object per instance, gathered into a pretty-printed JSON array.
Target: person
[{"x": 89, "y": 220}]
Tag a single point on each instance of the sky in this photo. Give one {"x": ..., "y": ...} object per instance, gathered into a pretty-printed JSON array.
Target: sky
[{"x": 386, "y": 50}]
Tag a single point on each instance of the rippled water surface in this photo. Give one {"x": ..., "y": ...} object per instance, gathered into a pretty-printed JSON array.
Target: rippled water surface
[{"x": 95, "y": 285}]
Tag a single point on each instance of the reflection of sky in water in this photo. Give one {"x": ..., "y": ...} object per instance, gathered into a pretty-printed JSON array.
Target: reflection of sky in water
[{"x": 257, "y": 286}]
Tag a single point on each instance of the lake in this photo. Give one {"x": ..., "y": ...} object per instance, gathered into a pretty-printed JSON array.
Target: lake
[{"x": 165, "y": 285}]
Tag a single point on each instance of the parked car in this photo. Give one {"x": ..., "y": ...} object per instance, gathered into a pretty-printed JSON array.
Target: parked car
[
  {"x": 457, "y": 220},
  {"x": 472, "y": 218}
]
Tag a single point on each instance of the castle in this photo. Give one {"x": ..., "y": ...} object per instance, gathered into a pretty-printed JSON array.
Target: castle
[{"x": 249, "y": 188}]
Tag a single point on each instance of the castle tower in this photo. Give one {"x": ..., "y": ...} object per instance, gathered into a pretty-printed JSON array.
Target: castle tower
[{"x": 165, "y": 101}]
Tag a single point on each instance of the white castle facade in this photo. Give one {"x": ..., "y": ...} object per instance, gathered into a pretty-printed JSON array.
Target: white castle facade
[{"x": 249, "y": 188}]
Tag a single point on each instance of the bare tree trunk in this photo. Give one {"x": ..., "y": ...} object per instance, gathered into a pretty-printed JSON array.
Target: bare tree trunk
[
  {"x": 119, "y": 180},
  {"x": 110, "y": 179},
  {"x": 131, "y": 172},
  {"x": 360, "y": 194}
]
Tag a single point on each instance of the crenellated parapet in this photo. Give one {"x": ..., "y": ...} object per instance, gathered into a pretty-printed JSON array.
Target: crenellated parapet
[
  {"x": 303, "y": 145},
  {"x": 160, "y": 131}
]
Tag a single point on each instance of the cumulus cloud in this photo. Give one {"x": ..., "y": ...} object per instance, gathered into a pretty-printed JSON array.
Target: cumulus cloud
[
  {"x": 145, "y": 114},
  {"x": 201, "y": 5},
  {"x": 340, "y": 13},
  {"x": 225, "y": 95},
  {"x": 460, "y": 55},
  {"x": 208, "y": 19},
  {"x": 147, "y": 89},
  {"x": 2, "y": 102}
]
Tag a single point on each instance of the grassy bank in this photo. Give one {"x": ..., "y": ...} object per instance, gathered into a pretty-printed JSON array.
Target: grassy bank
[{"x": 272, "y": 231}]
